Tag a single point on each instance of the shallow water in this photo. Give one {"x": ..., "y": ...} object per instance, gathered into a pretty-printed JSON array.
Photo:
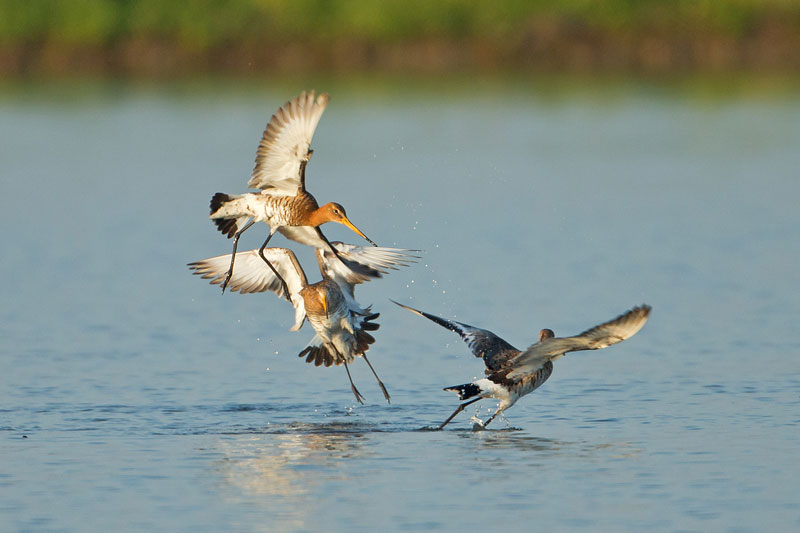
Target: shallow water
[{"x": 135, "y": 397}]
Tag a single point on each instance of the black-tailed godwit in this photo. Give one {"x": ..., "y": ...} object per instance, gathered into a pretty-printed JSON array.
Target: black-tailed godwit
[
  {"x": 340, "y": 323},
  {"x": 283, "y": 203},
  {"x": 512, "y": 373}
]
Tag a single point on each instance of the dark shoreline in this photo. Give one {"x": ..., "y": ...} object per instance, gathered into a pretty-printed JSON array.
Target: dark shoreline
[{"x": 771, "y": 50}]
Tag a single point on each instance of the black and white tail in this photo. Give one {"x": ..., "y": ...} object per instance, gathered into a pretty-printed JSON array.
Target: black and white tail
[
  {"x": 326, "y": 353},
  {"x": 364, "y": 339},
  {"x": 465, "y": 391},
  {"x": 320, "y": 355},
  {"x": 226, "y": 213}
]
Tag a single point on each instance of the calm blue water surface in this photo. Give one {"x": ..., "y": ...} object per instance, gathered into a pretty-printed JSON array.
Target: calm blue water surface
[{"x": 135, "y": 397}]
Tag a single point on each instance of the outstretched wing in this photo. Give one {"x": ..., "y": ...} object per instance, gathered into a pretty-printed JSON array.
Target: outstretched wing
[
  {"x": 373, "y": 262},
  {"x": 494, "y": 350},
  {"x": 251, "y": 274},
  {"x": 284, "y": 148},
  {"x": 617, "y": 330}
]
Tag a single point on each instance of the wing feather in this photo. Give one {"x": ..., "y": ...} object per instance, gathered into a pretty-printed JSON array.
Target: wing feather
[
  {"x": 362, "y": 263},
  {"x": 617, "y": 330},
  {"x": 483, "y": 343},
  {"x": 285, "y": 144},
  {"x": 251, "y": 274}
]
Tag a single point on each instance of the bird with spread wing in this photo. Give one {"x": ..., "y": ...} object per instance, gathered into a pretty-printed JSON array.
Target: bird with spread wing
[
  {"x": 283, "y": 203},
  {"x": 340, "y": 323},
  {"x": 513, "y": 373}
]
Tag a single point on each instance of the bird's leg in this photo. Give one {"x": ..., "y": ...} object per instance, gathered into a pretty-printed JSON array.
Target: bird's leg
[
  {"x": 383, "y": 388},
  {"x": 499, "y": 410},
  {"x": 233, "y": 255},
  {"x": 332, "y": 248},
  {"x": 458, "y": 410},
  {"x": 353, "y": 386},
  {"x": 280, "y": 278}
]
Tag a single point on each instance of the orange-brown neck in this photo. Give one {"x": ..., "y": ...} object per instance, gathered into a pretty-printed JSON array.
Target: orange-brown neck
[
  {"x": 313, "y": 299},
  {"x": 321, "y": 298},
  {"x": 317, "y": 217}
]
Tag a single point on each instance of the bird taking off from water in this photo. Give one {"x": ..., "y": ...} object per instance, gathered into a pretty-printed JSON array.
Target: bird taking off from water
[
  {"x": 283, "y": 204},
  {"x": 340, "y": 323},
  {"x": 511, "y": 373}
]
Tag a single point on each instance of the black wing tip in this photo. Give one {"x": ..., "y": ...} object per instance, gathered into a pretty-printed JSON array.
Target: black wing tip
[
  {"x": 447, "y": 324},
  {"x": 415, "y": 311}
]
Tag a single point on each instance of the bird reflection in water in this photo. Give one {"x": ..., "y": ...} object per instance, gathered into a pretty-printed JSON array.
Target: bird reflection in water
[{"x": 289, "y": 465}]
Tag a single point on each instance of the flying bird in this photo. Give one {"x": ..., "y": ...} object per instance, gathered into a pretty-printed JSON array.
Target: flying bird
[
  {"x": 512, "y": 373},
  {"x": 340, "y": 323},
  {"x": 283, "y": 203}
]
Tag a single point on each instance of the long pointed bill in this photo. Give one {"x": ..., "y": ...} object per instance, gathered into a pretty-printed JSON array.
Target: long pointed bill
[{"x": 350, "y": 225}]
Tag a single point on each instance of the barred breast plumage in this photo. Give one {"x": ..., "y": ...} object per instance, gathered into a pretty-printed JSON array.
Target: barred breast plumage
[{"x": 280, "y": 173}]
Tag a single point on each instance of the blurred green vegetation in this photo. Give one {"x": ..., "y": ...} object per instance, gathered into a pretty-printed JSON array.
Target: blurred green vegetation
[{"x": 205, "y": 26}]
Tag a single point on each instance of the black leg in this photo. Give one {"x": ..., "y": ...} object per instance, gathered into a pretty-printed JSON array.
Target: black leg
[
  {"x": 355, "y": 267},
  {"x": 330, "y": 246},
  {"x": 383, "y": 388},
  {"x": 492, "y": 417},
  {"x": 460, "y": 408},
  {"x": 280, "y": 278},
  {"x": 233, "y": 255},
  {"x": 353, "y": 386}
]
